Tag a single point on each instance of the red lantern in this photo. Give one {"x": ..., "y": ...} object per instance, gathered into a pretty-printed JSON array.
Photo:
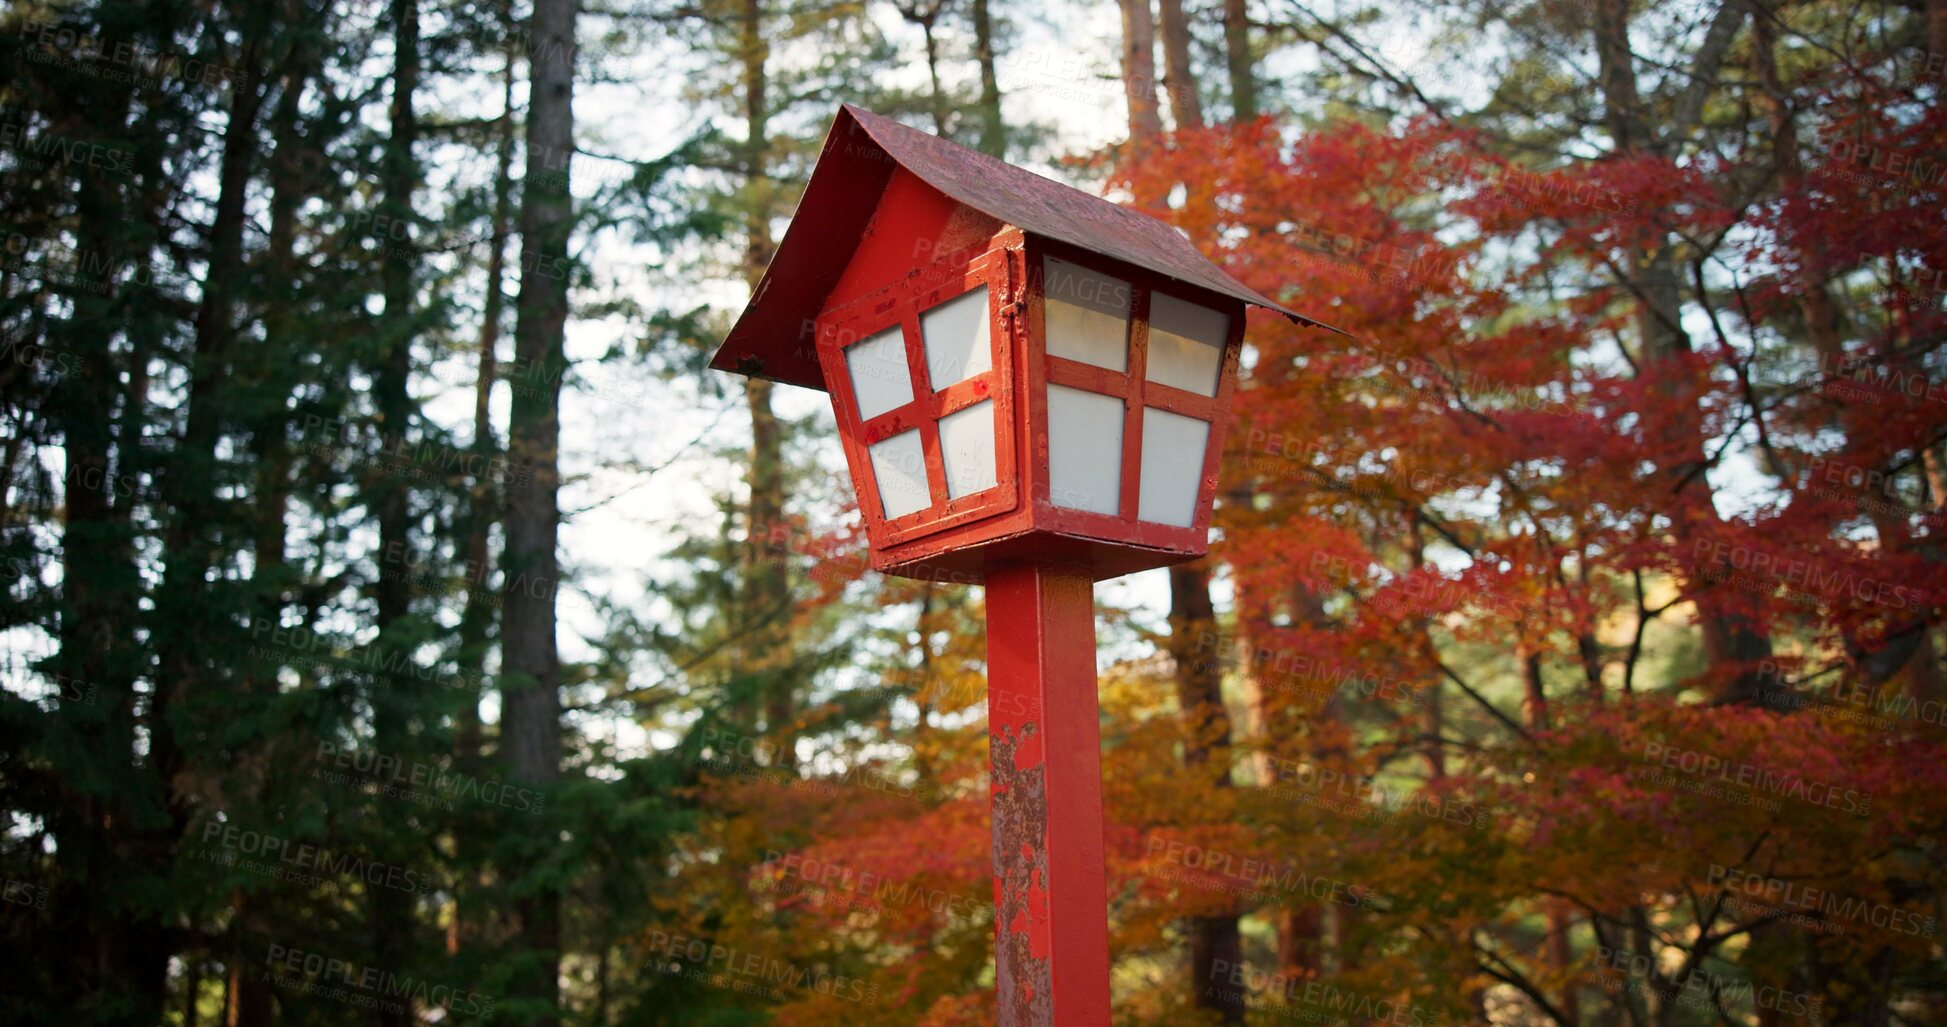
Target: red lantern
[
  {"x": 1020, "y": 371},
  {"x": 1032, "y": 385}
]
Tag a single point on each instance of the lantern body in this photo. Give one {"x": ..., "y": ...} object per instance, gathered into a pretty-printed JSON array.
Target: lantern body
[
  {"x": 1021, "y": 372},
  {"x": 1021, "y": 399}
]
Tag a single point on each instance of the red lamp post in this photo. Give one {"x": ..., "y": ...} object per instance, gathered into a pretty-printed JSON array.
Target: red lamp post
[{"x": 1032, "y": 386}]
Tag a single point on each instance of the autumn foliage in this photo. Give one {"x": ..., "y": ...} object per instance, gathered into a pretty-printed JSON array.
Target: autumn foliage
[{"x": 1570, "y": 670}]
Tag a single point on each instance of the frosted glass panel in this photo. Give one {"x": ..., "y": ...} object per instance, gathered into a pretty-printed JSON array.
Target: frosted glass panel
[
  {"x": 967, "y": 447},
  {"x": 957, "y": 346},
  {"x": 1087, "y": 314},
  {"x": 1186, "y": 343},
  {"x": 1084, "y": 450},
  {"x": 1172, "y": 467},
  {"x": 880, "y": 378},
  {"x": 900, "y": 465}
]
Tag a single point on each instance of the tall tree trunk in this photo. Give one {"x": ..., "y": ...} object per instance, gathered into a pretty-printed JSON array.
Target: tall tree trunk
[
  {"x": 1302, "y": 927},
  {"x": 192, "y": 988},
  {"x": 1214, "y": 940},
  {"x": 391, "y": 920},
  {"x": 1937, "y": 27},
  {"x": 268, "y": 369},
  {"x": 1433, "y": 717},
  {"x": 927, "y": 19},
  {"x": 1735, "y": 646},
  {"x": 1917, "y": 658},
  {"x": 993, "y": 131},
  {"x": 1186, "y": 106},
  {"x": 1139, "y": 80},
  {"x": 923, "y": 679},
  {"x": 1558, "y": 912},
  {"x": 766, "y": 588},
  {"x": 117, "y": 976},
  {"x": 1237, "y": 58},
  {"x": 531, "y": 677},
  {"x": 189, "y": 638},
  {"x": 476, "y": 616},
  {"x": 194, "y": 639}
]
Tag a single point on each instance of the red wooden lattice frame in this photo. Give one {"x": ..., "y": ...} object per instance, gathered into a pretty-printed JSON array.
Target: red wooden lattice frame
[
  {"x": 902, "y": 304},
  {"x": 1017, "y": 519},
  {"x": 1137, "y": 392}
]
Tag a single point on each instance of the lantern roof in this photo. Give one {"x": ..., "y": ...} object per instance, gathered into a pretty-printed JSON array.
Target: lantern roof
[{"x": 859, "y": 157}]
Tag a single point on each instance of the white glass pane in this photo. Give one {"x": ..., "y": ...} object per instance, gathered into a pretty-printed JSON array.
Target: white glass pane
[
  {"x": 1186, "y": 343},
  {"x": 880, "y": 378},
  {"x": 1087, "y": 314},
  {"x": 1172, "y": 467},
  {"x": 957, "y": 346},
  {"x": 900, "y": 465},
  {"x": 1084, "y": 450},
  {"x": 967, "y": 448}
]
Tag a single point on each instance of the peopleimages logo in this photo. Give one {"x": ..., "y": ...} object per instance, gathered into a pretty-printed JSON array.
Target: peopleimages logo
[
  {"x": 1359, "y": 796},
  {"x": 1848, "y": 699},
  {"x": 395, "y": 776},
  {"x": 733, "y": 753},
  {"x": 1864, "y": 377},
  {"x": 296, "y": 860},
  {"x": 1335, "y": 676},
  {"x": 1792, "y": 572},
  {"x": 21, "y": 893},
  {"x": 120, "y": 60},
  {"x": 324, "y": 973},
  {"x": 1750, "y": 776},
  {"x": 1215, "y": 870},
  {"x": 1701, "y": 990},
  {"x": 874, "y": 891},
  {"x": 298, "y": 643},
  {"x": 709, "y": 960},
  {"x": 1791, "y": 895},
  {"x": 1891, "y": 163},
  {"x": 66, "y": 150},
  {"x": 1319, "y": 995},
  {"x": 1558, "y": 188}
]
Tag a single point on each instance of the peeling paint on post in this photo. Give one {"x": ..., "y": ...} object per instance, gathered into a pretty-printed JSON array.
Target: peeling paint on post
[
  {"x": 1022, "y": 979},
  {"x": 1051, "y": 943},
  {"x": 894, "y": 225}
]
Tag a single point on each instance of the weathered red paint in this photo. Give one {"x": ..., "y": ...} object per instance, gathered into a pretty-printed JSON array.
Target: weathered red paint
[
  {"x": 955, "y": 540},
  {"x": 1051, "y": 945},
  {"x": 858, "y": 168},
  {"x": 893, "y": 223}
]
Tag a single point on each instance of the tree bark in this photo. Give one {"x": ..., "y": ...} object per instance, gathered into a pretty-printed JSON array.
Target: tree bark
[
  {"x": 1238, "y": 60},
  {"x": 1825, "y": 329},
  {"x": 391, "y": 919},
  {"x": 193, "y": 642},
  {"x": 1186, "y": 105},
  {"x": 927, "y": 18},
  {"x": 766, "y": 587},
  {"x": 1937, "y": 28},
  {"x": 269, "y": 370},
  {"x": 1139, "y": 75},
  {"x": 1733, "y": 643},
  {"x": 115, "y": 976},
  {"x": 476, "y": 618},
  {"x": 531, "y": 676},
  {"x": 1214, "y": 940},
  {"x": 993, "y": 131}
]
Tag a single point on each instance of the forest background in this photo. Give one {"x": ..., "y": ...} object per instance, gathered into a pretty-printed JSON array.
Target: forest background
[{"x": 401, "y": 626}]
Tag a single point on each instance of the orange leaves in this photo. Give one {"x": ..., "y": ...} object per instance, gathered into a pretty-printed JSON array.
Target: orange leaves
[
  {"x": 1604, "y": 207},
  {"x": 1656, "y": 797}
]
